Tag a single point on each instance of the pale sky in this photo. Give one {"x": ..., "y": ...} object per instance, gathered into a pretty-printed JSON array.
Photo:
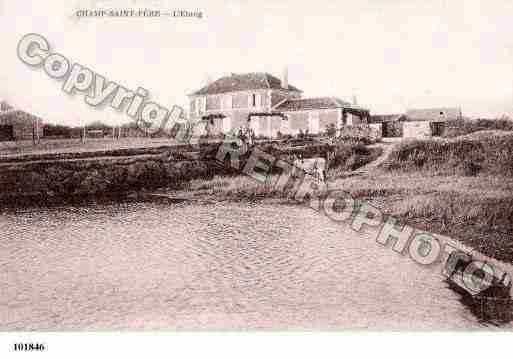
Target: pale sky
[{"x": 392, "y": 54}]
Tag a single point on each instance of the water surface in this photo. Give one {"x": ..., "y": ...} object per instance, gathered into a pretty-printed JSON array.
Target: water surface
[{"x": 150, "y": 265}]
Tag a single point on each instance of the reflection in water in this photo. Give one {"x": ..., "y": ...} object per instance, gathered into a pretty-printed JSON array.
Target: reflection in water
[{"x": 156, "y": 265}]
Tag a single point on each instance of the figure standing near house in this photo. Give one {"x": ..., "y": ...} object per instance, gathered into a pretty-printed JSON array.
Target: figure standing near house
[{"x": 251, "y": 137}]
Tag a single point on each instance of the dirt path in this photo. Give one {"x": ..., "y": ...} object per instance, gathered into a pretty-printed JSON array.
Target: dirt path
[{"x": 387, "y": 149}]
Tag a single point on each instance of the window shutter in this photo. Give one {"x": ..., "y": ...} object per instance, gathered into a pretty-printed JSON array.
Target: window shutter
[
  {"x": 285, "y": 125},
  {"x": 193, "y": 106},
  {"x": 227, "y": 124},
  {"x": 258, "y": 99}
]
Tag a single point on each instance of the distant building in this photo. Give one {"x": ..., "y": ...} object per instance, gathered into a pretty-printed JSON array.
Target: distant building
[
  {"x": 416, "y": 123},
  {"x": 428, "y": 122},
  {"x": 16, "y": 125},
  {"x": 269, "y": 105},
  {"x": 387, "y": 125}
]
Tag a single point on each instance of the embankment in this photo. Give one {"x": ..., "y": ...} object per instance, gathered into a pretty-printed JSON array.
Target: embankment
[
  {"x": 461, "y": 187},
  {"x": 60, "y": 179},
  {"x": 68, "y": 175},
  {"x": 483, "y": 152}
]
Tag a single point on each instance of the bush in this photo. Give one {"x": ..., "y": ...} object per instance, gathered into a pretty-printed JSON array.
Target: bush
[
  {"x": 358, "y": 134},
  {"x": 331, "y": 130},
  {"x": 460, "y": 156},
  {"x": 349, "y": 157}
]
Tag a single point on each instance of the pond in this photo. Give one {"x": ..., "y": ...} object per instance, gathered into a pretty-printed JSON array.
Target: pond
[{"x": 156, "y": 265}]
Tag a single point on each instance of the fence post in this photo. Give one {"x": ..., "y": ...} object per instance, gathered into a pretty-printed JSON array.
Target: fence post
[{"x": 37, "y": 130}]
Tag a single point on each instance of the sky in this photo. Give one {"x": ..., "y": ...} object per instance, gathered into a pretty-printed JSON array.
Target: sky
[{"x": 392, "y": 54}]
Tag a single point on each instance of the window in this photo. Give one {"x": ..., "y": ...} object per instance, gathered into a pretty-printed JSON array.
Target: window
[
  {"x": 201, "y": 105},
  {"x": 198, "y": 105},
  {"x": 313, "y": 122},
  {"x": 254, "y": 100},
  {"x": 228, "y": 101}
]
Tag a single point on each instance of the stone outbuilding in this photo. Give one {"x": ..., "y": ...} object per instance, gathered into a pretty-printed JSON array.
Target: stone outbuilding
[
  {"x": 18, "y": 125},
  {"x": 416, "y": 123},
  {"x": 429, "y": 122}
]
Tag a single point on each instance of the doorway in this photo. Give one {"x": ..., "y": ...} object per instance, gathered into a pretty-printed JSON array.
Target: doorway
[
  {"x": 437, "y": 128},
  {"x": 6, "y": 133}
]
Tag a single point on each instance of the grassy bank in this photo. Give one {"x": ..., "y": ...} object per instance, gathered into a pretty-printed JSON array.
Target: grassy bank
[
  {"x": 482, "y": 152},
  {"x": 237, "y": 186},
  {"x": 427, "y": 184},
  {"x": 62, "y": 175},
  {"x": 476, "y": 210},
  {"x": 460, "y": 187},
  {"x": 74, "y": 145}
]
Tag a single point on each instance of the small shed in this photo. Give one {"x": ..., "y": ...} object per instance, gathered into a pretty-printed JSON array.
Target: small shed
[
  {"x": 17, "y": 125},
  {"x": 428, "y": 122}
]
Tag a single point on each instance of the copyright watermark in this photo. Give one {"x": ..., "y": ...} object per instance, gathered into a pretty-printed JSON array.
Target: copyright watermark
[{"x": 151, "y": 117}]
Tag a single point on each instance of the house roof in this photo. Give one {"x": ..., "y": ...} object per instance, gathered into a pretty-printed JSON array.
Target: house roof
[
  {"x": 433, "y": 114},
  {"x": 243, "y": 82},
  {"x": 303, "y": 104}
]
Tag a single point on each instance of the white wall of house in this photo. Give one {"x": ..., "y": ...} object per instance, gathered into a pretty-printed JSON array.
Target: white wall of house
[
  {"x": 416, "y": 129},
  {"x": 377, "y": 128},
  {"x": 254, "y": 124},
  {"x": 349, "y": 119},
  {"x": 313, "y": 122},
  {"x": 352, "y": 119},
  {"x": 227, "y": 124},
  {"x": 285, "y": 126}
]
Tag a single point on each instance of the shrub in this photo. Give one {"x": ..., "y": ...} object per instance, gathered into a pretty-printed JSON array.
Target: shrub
[
  {"x": 460, "y": 156},
  {"x": 331, "y": 130},
  {"x": 350, "y": 156},
  {"x": 363, "y": 134}
]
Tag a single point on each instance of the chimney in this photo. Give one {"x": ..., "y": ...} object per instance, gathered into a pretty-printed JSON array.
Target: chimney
[
  {"x": 355, "y": 102},
  {"x": 208, "y": 79},
  {"x": 285, "y": 78}
]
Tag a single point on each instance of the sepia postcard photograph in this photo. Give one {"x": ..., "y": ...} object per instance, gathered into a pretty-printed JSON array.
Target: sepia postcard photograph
[{"x": 272, "y": 166}]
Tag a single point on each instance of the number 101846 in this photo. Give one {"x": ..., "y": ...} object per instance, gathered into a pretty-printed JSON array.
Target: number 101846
[{"x": 28, "y": 347}]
